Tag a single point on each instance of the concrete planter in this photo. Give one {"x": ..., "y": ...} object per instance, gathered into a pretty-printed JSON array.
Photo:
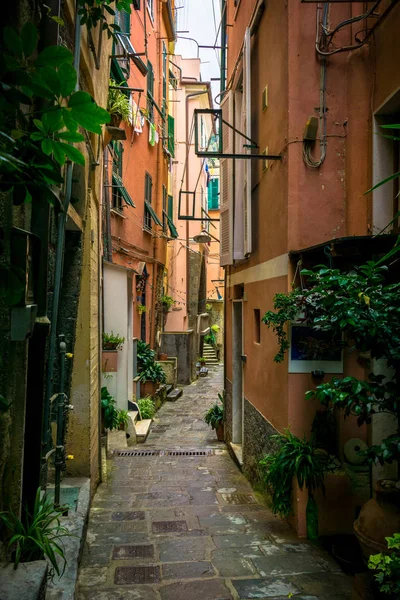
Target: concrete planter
[{"x": 109, "y": 361}]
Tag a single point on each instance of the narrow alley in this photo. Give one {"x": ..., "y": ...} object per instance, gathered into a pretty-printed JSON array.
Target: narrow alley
[{"x": 167, "y": 527}]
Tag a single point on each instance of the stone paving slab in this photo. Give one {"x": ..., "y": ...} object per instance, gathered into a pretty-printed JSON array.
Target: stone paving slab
[{"x": 219, "y": 541}]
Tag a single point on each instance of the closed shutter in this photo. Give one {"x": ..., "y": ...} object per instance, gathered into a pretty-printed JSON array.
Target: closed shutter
[
  {"x": 213, "y": 194},
  {"x": 226, "y": 175},
  {"x": 150, "y": 91},
  {"x": 247, "y": 131},
  {"x": 171, "y": 135},
  {"x": 171, "y": 207}
]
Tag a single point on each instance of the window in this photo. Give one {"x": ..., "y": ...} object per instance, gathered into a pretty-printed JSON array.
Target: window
[
  {"x": 150, "y": 6},
  {"x": 150, "y": 91},
  {"x": 120, "y": 67},
  {"x": 164, "y": 78},
  {"x": 148, "y": 192},
  {"x": 257, "y": 326},
  {"x": 213, "y": 194},
  {"x": 116, "y": 198},
  {"x": 171, "y": 207},
  {"x": 171, "y": 135},
  {"x": 164, "y": 207}
]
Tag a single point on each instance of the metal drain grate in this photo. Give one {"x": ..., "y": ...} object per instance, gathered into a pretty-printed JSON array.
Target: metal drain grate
[
  {"x": 206, "y": 452},
  {"x": 127, "y": 575},
  {"x": 169, "y": 526}
]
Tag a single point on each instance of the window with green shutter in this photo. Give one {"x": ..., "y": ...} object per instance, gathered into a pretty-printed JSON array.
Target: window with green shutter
[
  {"x": 171, "y": 207},
  {"x": 150, "y": 91},
  {"x": 171, "y": 135},
  {"x": 164, "y": 207},
  {"x": 120, "y": 195},
  {"x": 213, "y": 194},
  {"x": 148, "y": 193}
]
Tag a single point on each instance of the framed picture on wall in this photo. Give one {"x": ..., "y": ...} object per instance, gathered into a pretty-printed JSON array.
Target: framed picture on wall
[{"x": 313, "y": 350}]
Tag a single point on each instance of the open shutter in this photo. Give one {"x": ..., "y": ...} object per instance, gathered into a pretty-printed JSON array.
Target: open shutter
[
  {"x": 226, "y": 175},
  {"x": 247, "y": 131}
]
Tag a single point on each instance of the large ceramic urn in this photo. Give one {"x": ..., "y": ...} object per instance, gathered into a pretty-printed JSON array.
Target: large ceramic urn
[{"x": 379, "y": 518}]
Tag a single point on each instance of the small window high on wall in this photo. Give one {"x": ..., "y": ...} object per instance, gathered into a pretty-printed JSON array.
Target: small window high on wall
[{"x": 257, "y": 326}]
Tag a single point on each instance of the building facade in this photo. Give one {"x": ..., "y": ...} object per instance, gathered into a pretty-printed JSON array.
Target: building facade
[{"x": 278, "y": 215}]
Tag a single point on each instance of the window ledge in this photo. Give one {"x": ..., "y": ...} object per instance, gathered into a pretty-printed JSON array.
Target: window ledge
[
  {"x": 117, "y": 213},
  {"x": 147, "y": 230}
]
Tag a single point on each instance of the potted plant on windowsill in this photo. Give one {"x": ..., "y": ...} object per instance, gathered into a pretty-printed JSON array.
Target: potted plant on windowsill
[
  {"x": 111, "y": 344},
  {"x": 215, "y": 418},
  {"x": 119, "y": 108}
]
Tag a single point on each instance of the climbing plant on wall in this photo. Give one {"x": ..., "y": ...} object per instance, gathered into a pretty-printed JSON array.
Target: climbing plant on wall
[{"x": 363, "y": 306}]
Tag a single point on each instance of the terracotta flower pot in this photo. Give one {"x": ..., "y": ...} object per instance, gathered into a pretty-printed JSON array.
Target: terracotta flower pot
[
  {"x": 148, "y": 388},
  {"x": 220, "y": 432},
  {"x": 379, "y": 518},
  {"x": 162, "y": 356},
  {"x": 109, "y": 360}
]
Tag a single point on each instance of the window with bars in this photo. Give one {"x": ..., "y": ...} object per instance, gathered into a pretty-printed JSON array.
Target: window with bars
[
  {"x": 148, "y": 193},
  {"x": 150, "y": 91}
]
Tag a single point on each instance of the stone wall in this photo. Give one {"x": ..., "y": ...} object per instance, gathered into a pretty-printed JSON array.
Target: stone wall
[
  {"x": 180, "y": 345},
  {"x": 257, "y": 440}
]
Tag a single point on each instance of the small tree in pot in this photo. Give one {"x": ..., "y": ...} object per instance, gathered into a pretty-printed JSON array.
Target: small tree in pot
[{"x": 215, "y": 418}]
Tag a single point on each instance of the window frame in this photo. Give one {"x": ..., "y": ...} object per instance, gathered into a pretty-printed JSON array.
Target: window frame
[{"x": 148, "y": 196}]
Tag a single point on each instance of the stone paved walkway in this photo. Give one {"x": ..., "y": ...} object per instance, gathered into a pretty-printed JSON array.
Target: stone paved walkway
[{"x": 191, "y": 528}]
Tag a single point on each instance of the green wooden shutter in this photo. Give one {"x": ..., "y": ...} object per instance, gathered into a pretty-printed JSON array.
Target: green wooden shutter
[
  {"x": 164, "y": 75},
  {"x": 213, "y": 198},
  {"x": 171, "y": 207},
  {"x": 171, "y": 135},
  {"x": 118, "y": 152},
  {"x": 150, "y": 90},
  {"x": 123, "y": 19}
]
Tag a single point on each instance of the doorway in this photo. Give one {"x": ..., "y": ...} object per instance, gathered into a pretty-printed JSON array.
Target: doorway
[{"x": 237, "y": 369}]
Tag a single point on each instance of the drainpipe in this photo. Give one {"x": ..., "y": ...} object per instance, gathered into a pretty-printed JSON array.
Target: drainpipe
[
  {"x": 224, "y": 8},
  {"x": 62, "y": 219},
  {"x": 188, "y": 97}
]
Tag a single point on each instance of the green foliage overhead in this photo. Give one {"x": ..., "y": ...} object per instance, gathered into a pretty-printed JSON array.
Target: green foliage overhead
[
  {"x": 40, "y": 114},
  {"x": 94, "y": 12},
  {"x": 147, "y": 408},
  {"x": 37, "y": 535},
  {"x": 387, "y": 567},
  {"x": 294, "y": 457}
]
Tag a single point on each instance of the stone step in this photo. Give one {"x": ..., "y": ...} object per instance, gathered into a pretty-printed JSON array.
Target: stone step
[
  {"x": 170, "y": 387},
  {"x": 142, "y": 430},
  {"x": 174, "y": 395},
  {"x": 116, "y": 440}
]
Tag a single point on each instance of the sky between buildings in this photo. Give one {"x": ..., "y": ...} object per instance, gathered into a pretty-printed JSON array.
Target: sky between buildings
[{"x": 201, "y": 18}]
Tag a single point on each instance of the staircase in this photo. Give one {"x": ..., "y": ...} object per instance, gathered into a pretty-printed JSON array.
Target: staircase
[{"x": 210, "y": 355}]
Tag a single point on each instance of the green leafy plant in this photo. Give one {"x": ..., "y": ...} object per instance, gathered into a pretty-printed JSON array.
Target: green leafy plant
[
  {"x": 141, "y": 309},
  {"x": 215, "y": 415},
  {"x": 148, "y": 368},
  {"x": 215, "y": 328},
  {"x": 210, "y": 339},
  {"x": 387, "y": 567},
  {"x": 37, "y": 535},
  {"x": 35, "y": 141},
  {"x": 147, "y": 408},
  {"x": 201, "y": 360},
  {"x": 93, "y": 13},
  {"x": 122, "y": 418},
  {"x": 294, "y": 457},
  {"x": 118, "y": 103},
  {"x": 110, "y": 411},
  {"x": 363, "y": 306},
  {"x": 167, "y": 302},
  {"x": 112, "y": 341}
]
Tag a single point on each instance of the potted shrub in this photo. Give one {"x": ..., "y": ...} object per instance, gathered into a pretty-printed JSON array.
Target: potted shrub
[
  {"x": 122, "y": 419},
  {"x": 297, "y": 458},
  {"x": 150, "y": 372},
  {"x": 363, "y": 306},
  {"x": 215, "y": 418},
  {"x": 118, "y": 105},
  {"x": 146, "y": 407},
  {"x": 112, "y": 341},
  {"x": 37, "y": 536},
  {"x": 202, "y": 361}
]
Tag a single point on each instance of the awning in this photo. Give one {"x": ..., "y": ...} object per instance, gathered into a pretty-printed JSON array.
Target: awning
[
  {"x": 172, "y": 229},
  {"x": 117, "y": 183},
  {"x": 152, "y": 213}
]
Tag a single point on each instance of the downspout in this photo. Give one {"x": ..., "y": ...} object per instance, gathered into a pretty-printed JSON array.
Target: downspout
[
  {"x": 188, "y": 97},
  {"x": 59, "y": 262},
  {"x": 224, "y": 8}
]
